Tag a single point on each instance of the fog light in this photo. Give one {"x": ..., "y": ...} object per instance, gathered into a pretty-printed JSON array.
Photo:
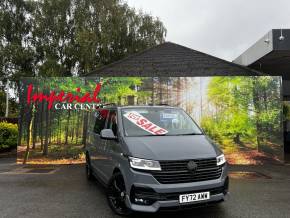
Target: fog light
[
  {"x": 143, "y": 196},
  {"x": 141, "y": 201}
]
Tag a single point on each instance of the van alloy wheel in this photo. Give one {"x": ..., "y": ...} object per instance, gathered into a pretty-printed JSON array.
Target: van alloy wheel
[{"x": 116, "y": 195}]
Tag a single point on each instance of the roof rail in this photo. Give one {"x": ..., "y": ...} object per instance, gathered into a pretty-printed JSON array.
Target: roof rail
[
  {"x": 162, "y": 104},
  {"x": 107, "y": 104}
]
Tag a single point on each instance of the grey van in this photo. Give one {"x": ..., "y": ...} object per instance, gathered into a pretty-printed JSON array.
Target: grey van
[{"x": 153, "y": 158}]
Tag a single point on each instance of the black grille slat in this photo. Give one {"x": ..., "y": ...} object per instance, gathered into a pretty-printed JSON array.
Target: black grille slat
[
  {"x": 185, "y": 167},
  {"x": 187, "y": 172},
  {"x": 168, "y": 173},
  {"x": 177, "y": 172},
  {"x": 188, "y": 180},
  {"x": 209, "y": 169},
  {"x": 186, "y": 176}
]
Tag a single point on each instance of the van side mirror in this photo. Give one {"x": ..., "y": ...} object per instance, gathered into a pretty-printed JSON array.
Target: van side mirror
[{"x": 107, "y": 134}]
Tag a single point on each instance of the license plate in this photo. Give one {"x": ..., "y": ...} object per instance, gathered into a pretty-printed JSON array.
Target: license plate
[{"x": 201, "y": 196}]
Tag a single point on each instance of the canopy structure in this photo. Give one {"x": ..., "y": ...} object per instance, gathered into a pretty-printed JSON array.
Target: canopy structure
[
  {"x": 170, "y": 59},
  {"x": 270, "y": 55}
]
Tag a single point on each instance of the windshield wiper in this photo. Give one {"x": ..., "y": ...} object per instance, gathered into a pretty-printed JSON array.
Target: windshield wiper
[
  {"x": 172, "y": 134},
  {"x": 193, "y": 134},
  {"x": 188, "y": 134}
]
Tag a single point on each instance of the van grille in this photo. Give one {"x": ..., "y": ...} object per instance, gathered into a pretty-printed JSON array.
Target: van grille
[{"x": 173, "y": 172}]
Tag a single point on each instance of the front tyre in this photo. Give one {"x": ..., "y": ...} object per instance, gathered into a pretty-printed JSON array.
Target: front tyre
[{"x": 116, "y": 195}]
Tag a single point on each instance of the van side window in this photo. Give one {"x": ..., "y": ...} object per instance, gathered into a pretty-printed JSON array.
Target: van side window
[
  {"x": 101, "y": 116},
  {"x": 112, "y": 122}
]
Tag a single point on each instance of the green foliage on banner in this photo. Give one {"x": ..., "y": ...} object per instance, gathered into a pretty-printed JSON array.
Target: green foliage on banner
[
  {"x": 286, "y": 110},
  {"x": 243, "y": 109},
  {"x": 117, "y": 89}
]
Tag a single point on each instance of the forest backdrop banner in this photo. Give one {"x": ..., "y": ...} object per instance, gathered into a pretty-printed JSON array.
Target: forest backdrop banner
[{"x": 243, "y": 115}]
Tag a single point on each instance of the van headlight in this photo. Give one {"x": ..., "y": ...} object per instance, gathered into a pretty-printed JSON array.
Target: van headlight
[
  {"x": 221, "y": 160},
  {"x": 143, "y": 164}
]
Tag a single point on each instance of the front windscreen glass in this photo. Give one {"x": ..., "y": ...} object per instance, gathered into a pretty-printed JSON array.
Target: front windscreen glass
[{"x": 158, "y": 121}]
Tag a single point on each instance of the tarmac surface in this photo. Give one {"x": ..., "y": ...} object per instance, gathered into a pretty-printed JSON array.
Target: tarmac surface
[{"x": 63, "y": 191}]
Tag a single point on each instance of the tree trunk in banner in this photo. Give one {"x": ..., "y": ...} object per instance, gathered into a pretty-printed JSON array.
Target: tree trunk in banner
[
  {"x": 34, "y": 125},
  {"x": 152, "y": 96},
  {"x": 67, "y": 128},
  {"x": 85, "y": 124},
  {"x": 161, "y": 101},
  {"x": 41, "y": 126},
  {"x": 77, "y": 126},
  {"x": 73, "y": 127},
  {"x": 256, "y": 101},
  {"x": 51, "y": 115},
  {"x": 178, "y": 90},
  {"x": 45, "y": 147},
  {"x": 85, "y": 128}
]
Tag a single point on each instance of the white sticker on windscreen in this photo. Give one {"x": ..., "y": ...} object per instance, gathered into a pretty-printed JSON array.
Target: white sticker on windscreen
[
  {"x": 144, "y": 123},
  {"x": 169, "y": 116}
]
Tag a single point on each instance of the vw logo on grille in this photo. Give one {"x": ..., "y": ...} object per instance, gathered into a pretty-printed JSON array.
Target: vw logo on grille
[{"x": 192, "y": 166}]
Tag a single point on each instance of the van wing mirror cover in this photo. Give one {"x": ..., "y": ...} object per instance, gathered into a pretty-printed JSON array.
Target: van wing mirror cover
[{"x": 107, "y": 134}]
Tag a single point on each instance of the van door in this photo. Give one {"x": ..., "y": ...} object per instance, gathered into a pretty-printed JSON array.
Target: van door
[
  {"x": 112, "y": 147},
  {"x": 96, "y": 150}
]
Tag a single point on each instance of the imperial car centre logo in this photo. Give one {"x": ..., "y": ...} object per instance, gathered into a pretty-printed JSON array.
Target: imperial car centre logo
[{"x": 65, "y": 100}]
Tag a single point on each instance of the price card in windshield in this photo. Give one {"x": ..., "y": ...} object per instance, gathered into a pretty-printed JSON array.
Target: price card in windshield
[{"x": 144, "y": 123}]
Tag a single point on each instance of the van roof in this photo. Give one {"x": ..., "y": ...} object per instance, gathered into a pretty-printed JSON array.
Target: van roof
[
  {"x": 140, "y": 106},
  {"x": 147, "y": 106}
]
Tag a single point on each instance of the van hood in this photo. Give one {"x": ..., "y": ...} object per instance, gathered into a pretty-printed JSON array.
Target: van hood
[{"x": 171, "y": 147}]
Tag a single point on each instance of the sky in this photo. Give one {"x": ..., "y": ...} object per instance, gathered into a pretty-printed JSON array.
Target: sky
[{"x": 223, "y": 28}]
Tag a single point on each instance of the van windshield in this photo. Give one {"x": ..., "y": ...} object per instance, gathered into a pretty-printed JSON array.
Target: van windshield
[{"x": 158, "y": 121}]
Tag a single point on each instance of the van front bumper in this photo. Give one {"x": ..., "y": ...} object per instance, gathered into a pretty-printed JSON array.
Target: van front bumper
[{"x": 152, "y": 197}]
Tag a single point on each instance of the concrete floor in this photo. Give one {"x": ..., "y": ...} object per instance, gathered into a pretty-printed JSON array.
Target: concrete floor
[{"x": 65, "y": 192}]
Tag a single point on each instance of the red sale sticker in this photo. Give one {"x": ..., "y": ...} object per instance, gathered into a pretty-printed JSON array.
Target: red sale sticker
[{"x": 144, "y": 123}]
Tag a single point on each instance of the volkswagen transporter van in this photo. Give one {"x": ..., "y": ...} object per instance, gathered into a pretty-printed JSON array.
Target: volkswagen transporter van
[{"x": 153, "y": 158}]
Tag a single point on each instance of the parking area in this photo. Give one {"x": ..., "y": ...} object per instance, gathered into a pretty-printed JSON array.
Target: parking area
[{"x": 63, "y": 191}]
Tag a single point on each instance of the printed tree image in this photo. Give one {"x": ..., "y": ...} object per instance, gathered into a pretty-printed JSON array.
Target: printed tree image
[
  {"x": 230, "y": 104},
  {"x": 241, "y": 114},
  {"x": 44, "y": 127},
  {"x": 49, "y": 135},
  {"x": 245, "y": 113}
]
